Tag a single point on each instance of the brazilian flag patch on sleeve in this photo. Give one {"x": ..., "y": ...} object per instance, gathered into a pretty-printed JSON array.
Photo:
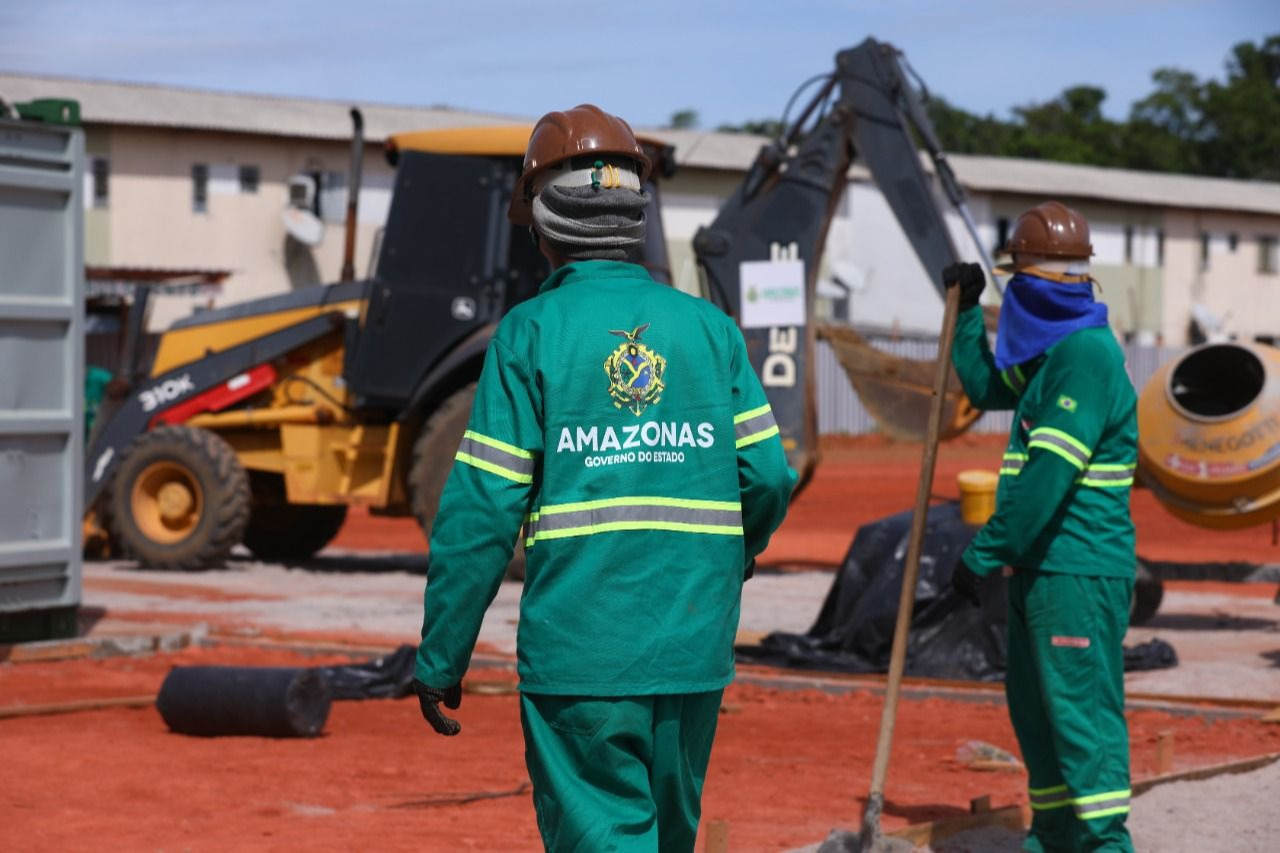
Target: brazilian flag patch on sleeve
[{"x": 1066, "y": 403}]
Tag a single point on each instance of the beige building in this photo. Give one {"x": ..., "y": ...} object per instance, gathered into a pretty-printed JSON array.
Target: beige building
[
  {"x": 184, "y": 180},
  {"x": 196, "y": 181}
]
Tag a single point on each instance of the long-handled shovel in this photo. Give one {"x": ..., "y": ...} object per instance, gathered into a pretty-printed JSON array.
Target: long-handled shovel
[{"x": 870, "y": 837}]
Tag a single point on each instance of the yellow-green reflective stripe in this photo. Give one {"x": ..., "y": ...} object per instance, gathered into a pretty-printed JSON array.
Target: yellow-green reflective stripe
[
  {"x": 682, "y": 503},
  {"x": 752, "y": 439},
  {"x": 1038, "y": 792},
  {"x": 1005, "y": 378},
  {"x": 495, "y": 456},
  {"x": 1017, "y": 371},
  {"x": 676, "y": 526},
  {"x": 1107, "y": 466},
  {"x": 514, "y": 476},
  {"x": 1105, "y": 484},
  {"x": 1043, "y": 799},
  {"x": 1102, "y": 813},
  {"x": 753, "y": 413},
  {"x": 1097, "y": 798},
  {"x": 1044, "y": 445},
  {"x": 682, "y": 515},
  {"x": 748, "y": 425},
  {"x": 500, "y": 445},
  {"x": 1057, "y": 433},
  {"x": 1013, "y": 464}
]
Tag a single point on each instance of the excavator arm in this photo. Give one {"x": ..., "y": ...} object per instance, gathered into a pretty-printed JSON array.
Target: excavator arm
[{"x": 761, "y": 254}]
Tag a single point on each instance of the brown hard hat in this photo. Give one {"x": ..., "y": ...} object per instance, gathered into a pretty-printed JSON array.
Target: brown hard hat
[
  {"x": 1053, "y": 230},
  {"x": 585, "y": 130}
]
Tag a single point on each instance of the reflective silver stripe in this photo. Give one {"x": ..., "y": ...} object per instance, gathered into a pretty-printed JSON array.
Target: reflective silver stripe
[
  {"x": 1107, "y": 476},
  {"x": 608, "y": 515},
  {"x": 1061, "y": 445},
  {"x": 715, "y": 517},
  {"x": 1013, "y": 378},
  {"x": 1125, "y": 473},
  {"x": 496, "y": 456},
  {"x": 751, "y": 426},
  {"x": 1100, "y": 808},
  {"x": 1012, "y": 464},
  {"x": 1054, "y": 799}
]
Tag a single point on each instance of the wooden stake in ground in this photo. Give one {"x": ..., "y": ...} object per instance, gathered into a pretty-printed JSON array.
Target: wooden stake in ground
[{"x": 871, "y": 836}]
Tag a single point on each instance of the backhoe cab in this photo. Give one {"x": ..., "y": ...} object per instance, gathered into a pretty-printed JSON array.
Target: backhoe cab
[{"x": 261, "y": 422}]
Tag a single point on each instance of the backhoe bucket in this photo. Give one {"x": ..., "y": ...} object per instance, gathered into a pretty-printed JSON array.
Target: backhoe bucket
[{"x": 895, "y": 390}]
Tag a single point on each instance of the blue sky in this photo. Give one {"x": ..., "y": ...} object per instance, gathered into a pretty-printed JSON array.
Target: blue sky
[{"x": 728, "y": 60}]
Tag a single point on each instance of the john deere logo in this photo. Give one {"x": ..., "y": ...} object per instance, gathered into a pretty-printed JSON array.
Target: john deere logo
[{"x": 635, "y": 372}]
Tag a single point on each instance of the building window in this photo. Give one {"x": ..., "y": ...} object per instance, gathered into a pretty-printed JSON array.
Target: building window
[
  {"x": 1002, "y": 233},
  {"x": 333, "y": 197},
  {"x": 1233, "y": 241},
  {"x": 1128, "y": 244},
  {"x": 1204, "y": 251},
  {"x": 250, "y": 177},
  {"x": 1160, "y": 247},
  {"x": 1268, "y": 255},
  {"x": 200, "y": 188},
  {"x": 101, "y": 167}
]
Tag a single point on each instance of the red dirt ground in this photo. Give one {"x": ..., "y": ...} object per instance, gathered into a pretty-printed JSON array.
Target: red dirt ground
[
  {"x": 787, "y": 766},
  {"x": 865, "y": 478},
  {"x": 118, "y": 779}
]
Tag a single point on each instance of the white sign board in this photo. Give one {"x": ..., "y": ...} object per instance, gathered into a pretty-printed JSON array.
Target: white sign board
[{"x": 772, "y": 293}]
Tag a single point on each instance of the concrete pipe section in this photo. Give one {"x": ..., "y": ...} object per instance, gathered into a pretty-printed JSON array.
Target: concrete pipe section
[{"x": 1209, "y": 435}]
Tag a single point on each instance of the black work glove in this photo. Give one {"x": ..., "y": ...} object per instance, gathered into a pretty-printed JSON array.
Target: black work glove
[
  {"x": 429, "y": 699},
  {"x": 967, "y": 583},
  {"x": 969, "y": 278}
]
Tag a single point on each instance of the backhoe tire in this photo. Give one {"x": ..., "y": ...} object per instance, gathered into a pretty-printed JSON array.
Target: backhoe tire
[
  {"x": 179, "y": 499},
  {"x": 280, "y": 532},
  {"x": 433, "y": 458},
  {"x": 1148, "y": 593}
]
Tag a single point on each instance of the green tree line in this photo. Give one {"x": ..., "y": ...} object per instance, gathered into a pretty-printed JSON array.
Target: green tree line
[{"x": 1226, "y": 128}]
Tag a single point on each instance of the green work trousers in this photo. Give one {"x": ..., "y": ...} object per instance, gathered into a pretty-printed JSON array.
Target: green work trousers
[
  {"x": 619, "y": 773},
  {"x": 1065, "y": 686}
]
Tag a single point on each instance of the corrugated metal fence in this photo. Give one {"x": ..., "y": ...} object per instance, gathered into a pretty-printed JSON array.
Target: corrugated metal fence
[{"x": 840, "y": 410}]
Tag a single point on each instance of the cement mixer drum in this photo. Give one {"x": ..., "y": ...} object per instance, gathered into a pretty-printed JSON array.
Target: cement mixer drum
[{"x": 1209, "y": 435}]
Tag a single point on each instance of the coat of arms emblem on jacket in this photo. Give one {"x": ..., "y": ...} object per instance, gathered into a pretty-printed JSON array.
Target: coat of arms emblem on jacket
[{"x": 635, "y": 372}]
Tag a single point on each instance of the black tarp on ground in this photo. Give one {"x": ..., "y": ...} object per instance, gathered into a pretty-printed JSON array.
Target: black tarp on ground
[
  {"x": 387, "y": 677},
  {"x": 950, "y": 638}
]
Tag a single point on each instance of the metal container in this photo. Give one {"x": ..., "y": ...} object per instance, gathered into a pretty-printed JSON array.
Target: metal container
[
  {"x": 1209, "y": 435},
  {"x": 41, "y": 377}
]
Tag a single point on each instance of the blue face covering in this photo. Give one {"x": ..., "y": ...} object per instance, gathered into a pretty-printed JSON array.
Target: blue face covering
[{"x": 1038, "y": 312}]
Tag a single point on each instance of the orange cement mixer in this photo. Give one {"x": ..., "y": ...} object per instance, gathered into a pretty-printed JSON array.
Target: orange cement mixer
[{"x": 1209, "y": 435}]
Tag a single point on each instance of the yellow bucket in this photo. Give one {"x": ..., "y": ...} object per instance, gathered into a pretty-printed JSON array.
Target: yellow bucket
[{"x": 977, "y": 495}]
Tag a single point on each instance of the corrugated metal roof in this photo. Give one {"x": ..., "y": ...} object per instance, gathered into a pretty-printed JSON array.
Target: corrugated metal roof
[
  {"x": 168, "y": 106},
  {"x": 1129, "y": 186},
  {"x": 704, "y": 149},
  {"x": 1044, "y": 178}
]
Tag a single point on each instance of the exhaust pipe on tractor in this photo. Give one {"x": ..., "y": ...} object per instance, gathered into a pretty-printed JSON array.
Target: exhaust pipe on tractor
[{"x": 353, "y": 194}]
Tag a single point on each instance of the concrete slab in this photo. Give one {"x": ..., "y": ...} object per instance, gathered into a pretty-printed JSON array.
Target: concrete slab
[{"x": 1229, "y": 645}]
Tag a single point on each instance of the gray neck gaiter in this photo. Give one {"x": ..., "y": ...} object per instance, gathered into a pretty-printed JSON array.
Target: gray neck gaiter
[{"x": 587, "y": 223}]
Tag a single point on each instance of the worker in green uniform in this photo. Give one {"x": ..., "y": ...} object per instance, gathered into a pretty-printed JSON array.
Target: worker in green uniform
[
  {"x": 620, "y": 423},
  {"x": 1061, "y": 531}
]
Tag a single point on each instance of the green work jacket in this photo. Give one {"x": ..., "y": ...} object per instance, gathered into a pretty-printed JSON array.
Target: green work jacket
[
  {"x": 620, "y": 424},
  {"x": 1062, "y": 504}
]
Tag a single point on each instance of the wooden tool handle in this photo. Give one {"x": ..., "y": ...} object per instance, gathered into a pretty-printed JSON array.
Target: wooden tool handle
[{"x": 911, "y": 574}]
